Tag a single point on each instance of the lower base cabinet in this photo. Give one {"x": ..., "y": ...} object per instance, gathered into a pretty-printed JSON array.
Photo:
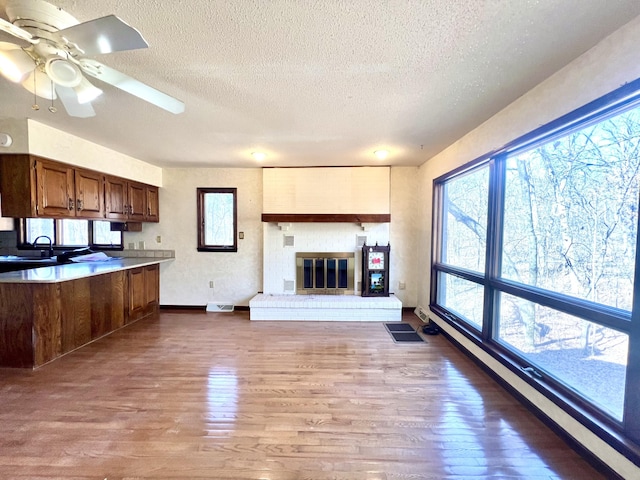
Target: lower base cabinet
[
  {"x": 144, "y": 291},
  {"x": 42, "y": 321}
]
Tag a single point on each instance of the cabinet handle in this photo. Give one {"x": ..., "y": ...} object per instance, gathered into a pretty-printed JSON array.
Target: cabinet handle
[
  {"x": 130, "y": 209},
  {"x": 70, "y": 203},
  {"x": 79, "y": 205},
  {"x": 148, "y": 210}
]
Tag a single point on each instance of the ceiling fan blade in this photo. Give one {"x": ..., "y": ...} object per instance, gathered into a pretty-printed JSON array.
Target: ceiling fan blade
[
  {"x": 17, "y": 32},
  {"x": 74, "y": 108},
  {"x": 132, "y": 86},
  {"x": 103, "y": 35}
]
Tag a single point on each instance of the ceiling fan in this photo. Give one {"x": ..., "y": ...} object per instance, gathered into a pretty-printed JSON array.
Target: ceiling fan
[{"x": 51, "y": 56}]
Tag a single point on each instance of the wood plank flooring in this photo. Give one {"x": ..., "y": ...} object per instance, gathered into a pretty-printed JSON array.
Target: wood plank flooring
[{"x": 195, "y": 395}]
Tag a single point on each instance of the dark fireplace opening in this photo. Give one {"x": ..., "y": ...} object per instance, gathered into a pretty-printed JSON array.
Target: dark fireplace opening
[{"x": 323, "y": 273}]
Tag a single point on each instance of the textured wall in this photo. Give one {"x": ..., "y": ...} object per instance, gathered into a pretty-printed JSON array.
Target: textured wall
[
  {"x": 608, "y": 65},
  {"x": 342, "y": 190},
  {"x": 405, "y": 220},
  {"x": 64, "y": 147},
  {"x": 185, "y": 281}
]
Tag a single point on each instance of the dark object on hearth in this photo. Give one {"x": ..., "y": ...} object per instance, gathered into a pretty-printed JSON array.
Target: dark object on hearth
[{"x": 431, "y": 329}]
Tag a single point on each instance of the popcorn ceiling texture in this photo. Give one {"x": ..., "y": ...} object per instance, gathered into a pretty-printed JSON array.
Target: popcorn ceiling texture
[{"x": 323, "y": 82}]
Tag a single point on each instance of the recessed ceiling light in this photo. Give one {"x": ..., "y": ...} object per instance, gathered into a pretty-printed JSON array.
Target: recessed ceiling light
[
  {"x": 381, "y": 154},
  {"x": 259, "y": 156}
]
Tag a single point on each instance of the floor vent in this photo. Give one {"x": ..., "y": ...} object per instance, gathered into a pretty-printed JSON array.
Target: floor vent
[
  {"x": 422, "y": 314},
  {"x": 219, "y": 307}
]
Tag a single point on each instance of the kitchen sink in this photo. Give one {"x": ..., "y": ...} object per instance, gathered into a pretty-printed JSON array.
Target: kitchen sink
[{"x": 11, "y": 263}]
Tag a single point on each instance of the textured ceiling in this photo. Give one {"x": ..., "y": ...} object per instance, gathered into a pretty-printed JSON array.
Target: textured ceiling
[{"x": 323, "y": 82}]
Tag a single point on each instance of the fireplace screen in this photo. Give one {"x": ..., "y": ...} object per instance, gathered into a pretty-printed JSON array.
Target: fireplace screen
[{"x": 324, "y": 273}]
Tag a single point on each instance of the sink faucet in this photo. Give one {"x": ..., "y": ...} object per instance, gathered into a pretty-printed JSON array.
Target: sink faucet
[{"x": 42, "y": 254}]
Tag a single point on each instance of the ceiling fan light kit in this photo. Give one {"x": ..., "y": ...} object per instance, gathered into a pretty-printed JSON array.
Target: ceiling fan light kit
[
  {"x": 15, "y": 64},
  {"x": 39, "y": 84},
  {"x": 52, "y": 65},
  {"x": 63, "y": 72}
]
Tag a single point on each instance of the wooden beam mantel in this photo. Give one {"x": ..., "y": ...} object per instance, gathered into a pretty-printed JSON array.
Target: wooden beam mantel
[{"x": 327, "y": 217}]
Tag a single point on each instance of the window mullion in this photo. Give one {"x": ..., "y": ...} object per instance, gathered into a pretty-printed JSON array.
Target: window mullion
[
  {"x": 493, "y": 251},
  {"x": 631, "y": 419}
]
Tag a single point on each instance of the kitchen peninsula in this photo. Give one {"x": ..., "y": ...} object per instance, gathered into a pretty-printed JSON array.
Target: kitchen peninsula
[{"x": 49, "y": 311}]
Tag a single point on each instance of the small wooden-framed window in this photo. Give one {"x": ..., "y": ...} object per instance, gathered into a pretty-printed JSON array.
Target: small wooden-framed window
[{"x": 217, "y": 220}]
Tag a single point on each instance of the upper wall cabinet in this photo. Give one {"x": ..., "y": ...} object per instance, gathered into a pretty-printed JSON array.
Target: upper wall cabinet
[
  {"x": 131, "y": 201},
  {"x": 64, "y": 191},
  {"x": 37, "y": 187}
]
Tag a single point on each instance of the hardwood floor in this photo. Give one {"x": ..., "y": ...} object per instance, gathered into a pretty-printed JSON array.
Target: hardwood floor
[{"x": 195, "y": 395}]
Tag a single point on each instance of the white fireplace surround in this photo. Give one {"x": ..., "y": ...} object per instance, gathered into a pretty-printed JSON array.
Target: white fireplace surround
[
  {"x": 279, "y": 256},
  {"x": 279, "y": 301}
]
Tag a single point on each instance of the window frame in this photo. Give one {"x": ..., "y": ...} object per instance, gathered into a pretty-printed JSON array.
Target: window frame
[
  {"x": 614, "y": 431},
  {"x": 201, "y": 192}
]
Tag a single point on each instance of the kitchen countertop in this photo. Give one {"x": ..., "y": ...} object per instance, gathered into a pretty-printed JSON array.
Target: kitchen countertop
[{"x": 74, "y": 271}]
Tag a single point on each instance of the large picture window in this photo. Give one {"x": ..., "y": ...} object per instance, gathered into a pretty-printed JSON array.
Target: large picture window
[
  {"x": 217, "y": 218},
  {"x": 535, "y": 257}
]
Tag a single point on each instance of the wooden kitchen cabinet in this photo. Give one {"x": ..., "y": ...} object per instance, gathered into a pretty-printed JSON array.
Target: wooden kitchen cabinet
[
  {"x": 153, "y": 204},
  {"x": 115, "y": 190},
  {"x": 132, "y": 201},
  {"x": 144, "y": 291},
  {"x": 55, "y": 190},
  {"x": 89, "y": 193},
  {"x": 137, "y": 201},
  {"x": 37, "y": 187},
  {"x": 42, "y": 321}
]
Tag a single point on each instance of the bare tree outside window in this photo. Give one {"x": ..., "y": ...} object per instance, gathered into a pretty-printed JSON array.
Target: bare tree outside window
[
  {"x": 72, "y": 233},
  {"x": 217, "y": 220},
  {"x": 565, "y": 248}
]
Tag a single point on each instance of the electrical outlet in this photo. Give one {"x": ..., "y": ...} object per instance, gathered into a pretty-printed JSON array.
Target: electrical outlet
[
  {"x": 141, "y": 244},
  {"x": 211, "y": 284},
  {"x": 131, "y": 245},
  {"x": 158, "y": 239},
  {"x": 402, "y": 285}
]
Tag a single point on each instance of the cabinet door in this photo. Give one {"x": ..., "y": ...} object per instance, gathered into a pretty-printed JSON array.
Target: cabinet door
[
  {"x": 153, "y": 204},
  {"x": 55, "y": 191},
  {"x": 18, "y": 186},
  {"x": 137, "y": 204},
  {"x": 115, "y": 191},
  {"x": 89, "y": 194},
  {"x": 151, "y": 286},
  {"x": 75, "y": 318},
  {"x": 137, "y": 294}
]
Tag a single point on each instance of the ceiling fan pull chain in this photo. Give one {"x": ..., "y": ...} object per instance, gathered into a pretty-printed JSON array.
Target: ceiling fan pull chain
[
  {"x": 35, "y": 105},
  {"x": 52, "y": 109}
]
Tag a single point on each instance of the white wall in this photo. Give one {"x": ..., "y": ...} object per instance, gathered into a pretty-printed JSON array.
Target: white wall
[
  {"x": 404, "y": 231},
  {"x": 185, "y": 280},
  {"x": 239, "y": 276},
  {"x": 55, "y": 144},
  {"x": 608, "y": 65},
  {"x": 340, "y": 190},
  {"x": 18, "y": 129}
]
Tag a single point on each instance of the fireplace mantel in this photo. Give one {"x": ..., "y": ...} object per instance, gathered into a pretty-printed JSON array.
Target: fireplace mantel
[{"x": 327, "y": 217}]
